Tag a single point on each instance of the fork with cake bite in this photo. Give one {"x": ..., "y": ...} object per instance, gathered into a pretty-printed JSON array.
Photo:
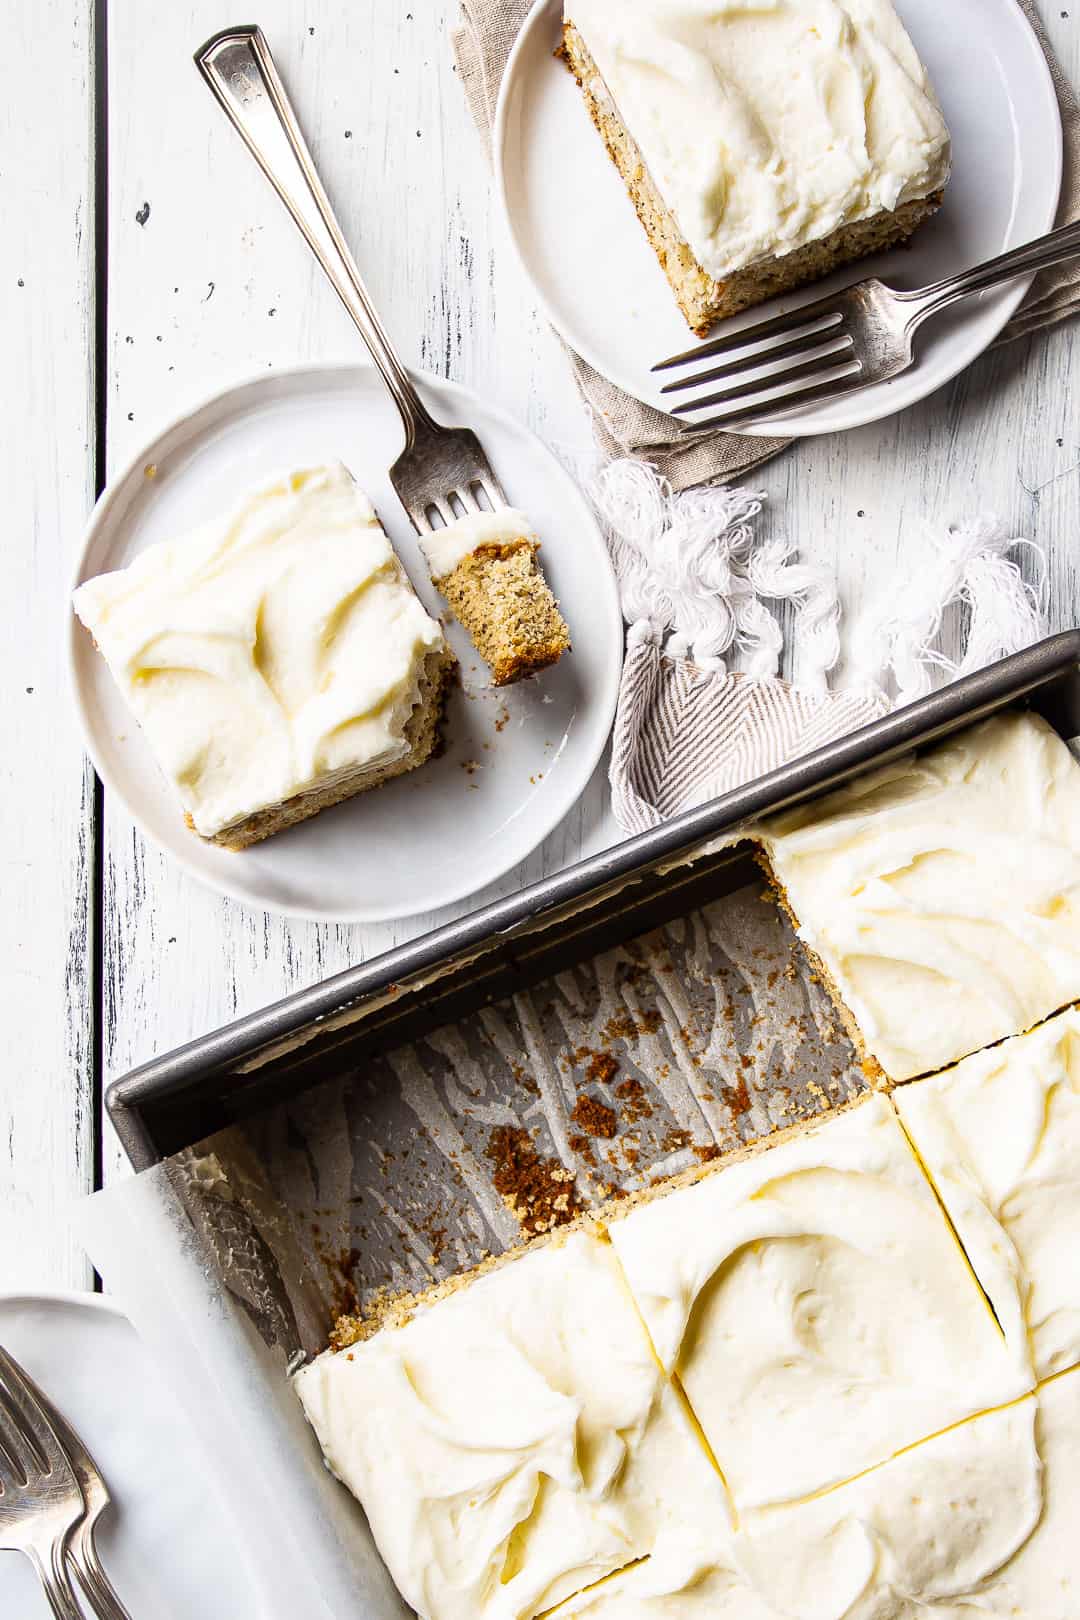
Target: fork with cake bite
[
  {"x": 483, "y": 558},
  {"x": 441, "y": 470}
]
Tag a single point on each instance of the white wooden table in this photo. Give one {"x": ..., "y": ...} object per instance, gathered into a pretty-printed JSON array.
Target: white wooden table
[{"x": 145, "y": 264}]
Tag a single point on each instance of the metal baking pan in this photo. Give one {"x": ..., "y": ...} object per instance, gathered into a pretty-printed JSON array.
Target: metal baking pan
[{"x": 182, "y": 1098}]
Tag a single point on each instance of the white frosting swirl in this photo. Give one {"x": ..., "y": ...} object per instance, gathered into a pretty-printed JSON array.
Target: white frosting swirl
[
  {"x": 908, "y": 1539},
  {"x": 1042, "y": 1580},
  {"x": 688, "y": 1576}
]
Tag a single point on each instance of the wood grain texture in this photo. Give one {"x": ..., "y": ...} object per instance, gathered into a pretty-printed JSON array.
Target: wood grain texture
[
  {"x": 47, "y": 1127},
  {"x": 1002, "y": 438},
  {"x": 209, "y": 282}
]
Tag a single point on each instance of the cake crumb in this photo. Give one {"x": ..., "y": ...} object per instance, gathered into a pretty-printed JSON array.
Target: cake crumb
[
  {"x": 538, "y": 1192},
  {"x": 635, "y": 1100},
  {"x": 595, "y": 1118},
  {"x": 599, "y": 1066}
]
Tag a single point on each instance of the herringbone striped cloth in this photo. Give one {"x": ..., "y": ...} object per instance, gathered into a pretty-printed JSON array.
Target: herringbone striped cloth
[
  {"x": 684, "y": 735},
  {"x": 702, "y": 591}
]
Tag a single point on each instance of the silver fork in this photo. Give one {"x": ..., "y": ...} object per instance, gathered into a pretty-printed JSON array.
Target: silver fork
[
  {"x": 40, "y": 1498},
  {"x": 442, "y": 472},
  {"x": 81, "y": 1548},
  {"x": 846, "y": 340}
]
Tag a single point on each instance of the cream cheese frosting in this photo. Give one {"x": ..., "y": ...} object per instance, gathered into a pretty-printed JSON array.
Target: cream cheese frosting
[
  {"x": 942, "y": 893},
  {"x": 958, "y": 1526},
  {"x": 768, "y": 125},
  {"x": 270, "y": 649},
  {"x": 1000, "y": 1137},
  {"x": 921, "y": 1535},
  {"x": 445, "y": 549},
  {"x": 1042, "y": 1580},
  {"x": 516, "y": 1441},
  {"x": 816, "y": 1307},
  {"x": 686, "y": 1577}
]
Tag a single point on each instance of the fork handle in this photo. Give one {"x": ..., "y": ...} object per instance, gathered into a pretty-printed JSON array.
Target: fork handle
[
  {"x": 50, "y": 1571},
  {"x": 1042, "y": 254},
  {"x": 83, "y": 1555},
  {"x": 238, "y": 67}
]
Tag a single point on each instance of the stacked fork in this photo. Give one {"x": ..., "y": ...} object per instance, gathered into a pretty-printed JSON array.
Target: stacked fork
[
  {"x": 51, "y": 1497},
  {"x": 862, "y": 335}
]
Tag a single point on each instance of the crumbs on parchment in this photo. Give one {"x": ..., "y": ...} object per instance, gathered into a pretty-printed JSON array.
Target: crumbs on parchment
[
  {"x": 595, "y": 1118},
  {"x": 635, "y": 1101},
  {"x": 599, "y": 1066},
  {"x": 539, "y": 1192}
]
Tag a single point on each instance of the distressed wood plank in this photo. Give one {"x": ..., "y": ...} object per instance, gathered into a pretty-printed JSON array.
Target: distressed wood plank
[
  {"x": 1001, "y": 438},
  {"x": 47, "y": 1128}
]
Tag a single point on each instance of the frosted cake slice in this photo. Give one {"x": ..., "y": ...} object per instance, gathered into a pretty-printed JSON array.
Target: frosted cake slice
[
  {"x": 816, "y": 1307},
  {"x": 486, "y": 566},
  {"x": 277, "y": 658},
  {"x": 940, "y": 895},
  {"x": 515, "y": 1441},
  {"x": 921, "y": 1535},
  {"x": 762, "y": 145},
  {"x": 1000, "y": 1137}
]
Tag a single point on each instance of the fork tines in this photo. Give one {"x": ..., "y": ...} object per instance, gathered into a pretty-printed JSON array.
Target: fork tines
[
  {"x": 769, "y": 367},
  {"x": 31, "y": 1444}
]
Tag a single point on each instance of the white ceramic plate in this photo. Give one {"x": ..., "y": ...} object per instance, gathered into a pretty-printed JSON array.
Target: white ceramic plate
[
  {"x": 516, "y": 760},
  {"x": 598, "y": 279},
  {"x": 167, "y": 1541}
]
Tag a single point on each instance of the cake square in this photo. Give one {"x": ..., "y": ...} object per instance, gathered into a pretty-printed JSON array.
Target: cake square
[
  {"x": 762, "y": 145},
  {"x": 486, "y": 566},
  {"x": 940, "y": 895},
  {"x": 277, "y": 658},
  {"x": 1042, "y": 1579},
  {"x": 979, "y": 1520},
  {"x": 931, "y": 1528},
  {"x": 816, "y": 1308},
  {"x": 515, "y": 1441},
  {"x": 999, "y": 1135}
]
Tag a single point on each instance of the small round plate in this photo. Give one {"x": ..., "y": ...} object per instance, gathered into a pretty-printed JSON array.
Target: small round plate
[
  {"x": 516, "y": 759},
  {"x": 598, "y": 279},
  {"x": 166, "y": 1542}
]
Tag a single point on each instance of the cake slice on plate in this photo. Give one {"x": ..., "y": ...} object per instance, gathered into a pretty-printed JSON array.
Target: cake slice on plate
[
  {"x": 486, "y": 566},
  {"x": 277, "y": 658},
  {"x": 762, "y": 145}
]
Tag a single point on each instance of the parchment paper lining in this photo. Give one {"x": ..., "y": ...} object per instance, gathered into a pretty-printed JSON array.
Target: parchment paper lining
[{"x": 641, "y": 1063}]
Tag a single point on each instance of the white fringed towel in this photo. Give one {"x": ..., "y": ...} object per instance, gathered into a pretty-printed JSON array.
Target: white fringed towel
[{"x": 699, "y": 590}]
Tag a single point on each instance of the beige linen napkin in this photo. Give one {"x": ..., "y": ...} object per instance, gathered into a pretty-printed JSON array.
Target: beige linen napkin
[{"x": 482, "y": 42}]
